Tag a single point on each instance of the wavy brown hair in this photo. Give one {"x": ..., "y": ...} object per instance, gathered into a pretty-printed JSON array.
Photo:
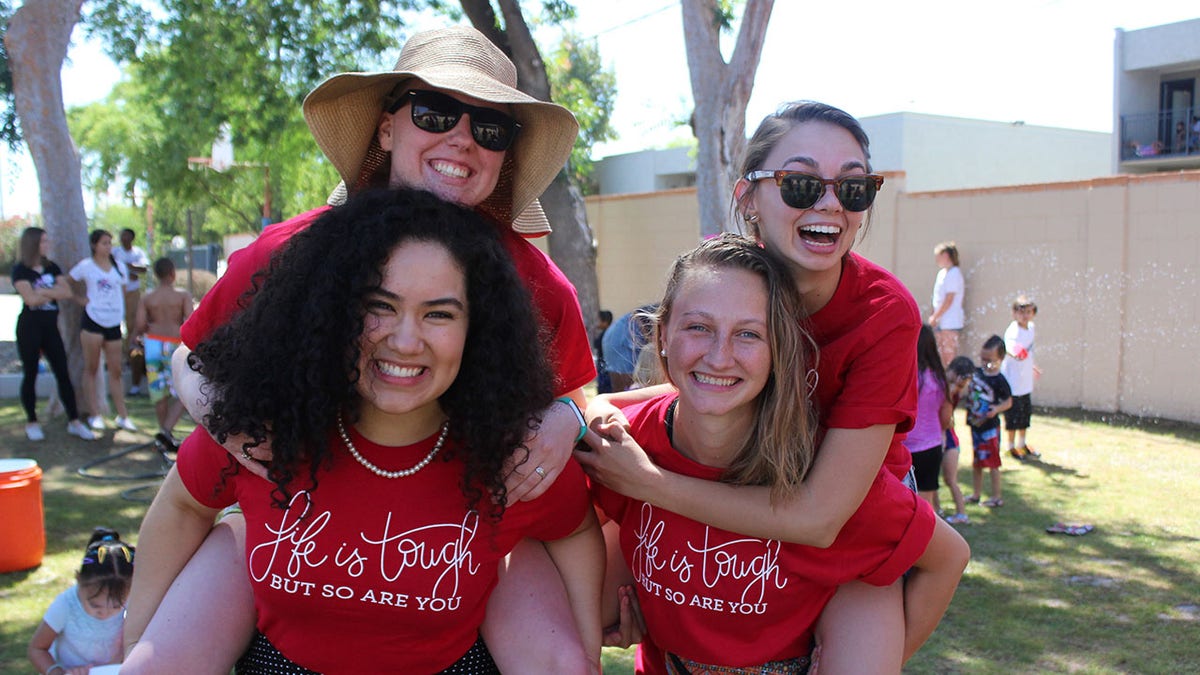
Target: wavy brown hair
[
  {"x": 30, "y": 248},
  {"x": 780, "y": 448}
]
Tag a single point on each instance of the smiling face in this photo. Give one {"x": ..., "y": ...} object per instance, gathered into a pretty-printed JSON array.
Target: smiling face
[
  {"x": 716, "y": 340},
  {"x": 413, "y": 336},
  {"x": 814, "y": 240},
  {"x": 451, "y": 165}
]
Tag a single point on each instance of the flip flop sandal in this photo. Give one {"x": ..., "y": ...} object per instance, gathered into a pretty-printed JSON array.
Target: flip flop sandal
[
  {"x": 994, "y": 503},
  {"x": 973, "y": 499}
]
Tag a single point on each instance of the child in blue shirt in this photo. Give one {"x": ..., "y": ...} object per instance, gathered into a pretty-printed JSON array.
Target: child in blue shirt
[{"x": 987, "y": 396}]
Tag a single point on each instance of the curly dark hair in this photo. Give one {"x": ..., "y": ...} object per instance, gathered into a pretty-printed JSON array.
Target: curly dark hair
[{"x": 287, "y": 365}]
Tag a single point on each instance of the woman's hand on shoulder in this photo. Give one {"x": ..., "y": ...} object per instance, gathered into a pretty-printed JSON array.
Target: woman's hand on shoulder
[
  {"x": 618, "y": 462},
  {"x": 531, "y": 470},
  {"x": 253, "y": 458}
]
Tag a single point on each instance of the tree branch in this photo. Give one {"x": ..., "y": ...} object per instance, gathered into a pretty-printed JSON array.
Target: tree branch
[
  {"x": 483, "y": 19},
  {"x": 531, "y": 70},
  {"x": 747, "y": 53},
  {"x": 702, "y": 43}
]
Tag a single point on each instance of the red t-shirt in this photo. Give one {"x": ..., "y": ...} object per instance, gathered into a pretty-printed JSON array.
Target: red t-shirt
[
  {"x": 569, "y": 349},
  {"x": 867, "y": 365},
  {"x": 722, "y": 598},
  {"x": 383, "y": 575}
]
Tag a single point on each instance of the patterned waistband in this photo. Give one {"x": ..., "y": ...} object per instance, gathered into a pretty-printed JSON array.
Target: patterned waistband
[
  {"x": 262, "y": 658},
  {"x": 677, "y": 665}
]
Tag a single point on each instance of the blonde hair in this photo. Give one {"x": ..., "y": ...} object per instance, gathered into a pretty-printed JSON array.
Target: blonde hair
[
  {"x": 950, "y": 249},
  {"x": 780, "y": 447},
  {"x": 1022, "y": 301}
]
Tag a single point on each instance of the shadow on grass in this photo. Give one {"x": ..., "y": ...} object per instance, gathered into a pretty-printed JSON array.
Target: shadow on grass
[
  {"x": 1184, "y": 431},
  {"x": 1120, "y": 599},
  {"x": 1055, "y": 471},
  {"x": 1034, "y": 602}
]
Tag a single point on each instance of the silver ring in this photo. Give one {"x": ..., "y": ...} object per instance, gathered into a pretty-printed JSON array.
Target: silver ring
[
  {"x": 539, "y": 471},
  {"x": 247, "y": 456}
]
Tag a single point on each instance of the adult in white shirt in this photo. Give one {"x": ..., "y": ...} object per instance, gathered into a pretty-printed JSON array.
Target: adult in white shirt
[
  {"x": 99, "y": 286},
  {"x": 947, "y": 318},
  {"x": 136, "y": 263}
]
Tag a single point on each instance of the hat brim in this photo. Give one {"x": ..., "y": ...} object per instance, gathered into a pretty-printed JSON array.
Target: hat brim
[{"x": 531, "y": 223}]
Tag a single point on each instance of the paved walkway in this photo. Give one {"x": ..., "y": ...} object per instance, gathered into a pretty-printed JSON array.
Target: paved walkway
[{"x": 10, "y": 307}]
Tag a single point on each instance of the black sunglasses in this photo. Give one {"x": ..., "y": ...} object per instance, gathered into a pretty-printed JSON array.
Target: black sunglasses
[
  {"x": 801, "y": 190},
  {"x": 438, "y": 113}
]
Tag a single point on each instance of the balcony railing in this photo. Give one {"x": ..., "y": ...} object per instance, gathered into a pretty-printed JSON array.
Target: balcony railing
[{"x": 1162, "y": 134}]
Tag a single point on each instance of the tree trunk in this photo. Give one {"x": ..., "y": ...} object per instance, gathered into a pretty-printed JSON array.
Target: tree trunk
[
  {"x": 571, "y": 244},
  {"x": 37, "y": 39},
  {"x": 571, "y": 241},
  {"x": 721, "y": 92}
]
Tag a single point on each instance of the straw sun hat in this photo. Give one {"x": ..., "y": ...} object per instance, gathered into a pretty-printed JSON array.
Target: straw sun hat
[{"x": 343, "y": 114}]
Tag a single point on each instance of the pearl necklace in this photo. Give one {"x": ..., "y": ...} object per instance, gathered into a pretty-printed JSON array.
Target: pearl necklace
[{"x": 392, "y": 474}]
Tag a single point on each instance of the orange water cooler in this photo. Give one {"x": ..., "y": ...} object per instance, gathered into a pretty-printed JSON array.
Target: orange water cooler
[{"x": 22, "y": 528}]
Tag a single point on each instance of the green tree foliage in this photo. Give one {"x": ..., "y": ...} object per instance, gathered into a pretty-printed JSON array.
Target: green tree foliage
[
  {"x": 10, "y": 238},
  {"x": 115, "y": 218},
  {"x": 580, "y": 82},
  {"x": 193, "y": 65}
]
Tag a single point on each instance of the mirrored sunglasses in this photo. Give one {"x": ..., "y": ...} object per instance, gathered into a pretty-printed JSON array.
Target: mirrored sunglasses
[
  {"x": 438, "y": 113},
  {"x": 801, "y": 190}
]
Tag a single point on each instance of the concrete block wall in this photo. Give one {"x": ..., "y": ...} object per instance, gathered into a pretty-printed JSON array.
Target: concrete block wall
[{"x": 1111, "y": 262}]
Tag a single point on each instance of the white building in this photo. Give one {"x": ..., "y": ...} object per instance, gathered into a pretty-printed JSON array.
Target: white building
[
  {"x": 934, "y": 152},
  {"x": 1155, "y": 111},
  {"x": 951, "y": 153}
]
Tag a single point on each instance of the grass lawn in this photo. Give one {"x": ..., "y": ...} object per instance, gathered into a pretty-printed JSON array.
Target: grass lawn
[{"x": 1123, "y": 599}]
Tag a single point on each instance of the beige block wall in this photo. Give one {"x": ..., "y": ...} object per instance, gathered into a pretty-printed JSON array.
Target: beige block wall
[
  {"x": 1111, "y": 262},
  {"x": 638, "y": 237}
]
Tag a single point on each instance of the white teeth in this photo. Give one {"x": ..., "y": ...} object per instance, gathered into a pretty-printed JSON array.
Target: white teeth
[
  {"x": 822, "y": 229},
  {"x": 398, "y": 371},
  {"x": 718, "y": 381},
  {"x": 447, "y": 169}
]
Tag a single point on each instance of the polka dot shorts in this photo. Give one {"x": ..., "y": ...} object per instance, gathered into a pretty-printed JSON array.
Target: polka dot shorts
[{"x": 262, "y": 658}]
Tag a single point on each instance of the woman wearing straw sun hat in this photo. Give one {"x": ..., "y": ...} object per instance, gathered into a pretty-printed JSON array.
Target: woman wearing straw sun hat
[{"x": 448, "y": 119}]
